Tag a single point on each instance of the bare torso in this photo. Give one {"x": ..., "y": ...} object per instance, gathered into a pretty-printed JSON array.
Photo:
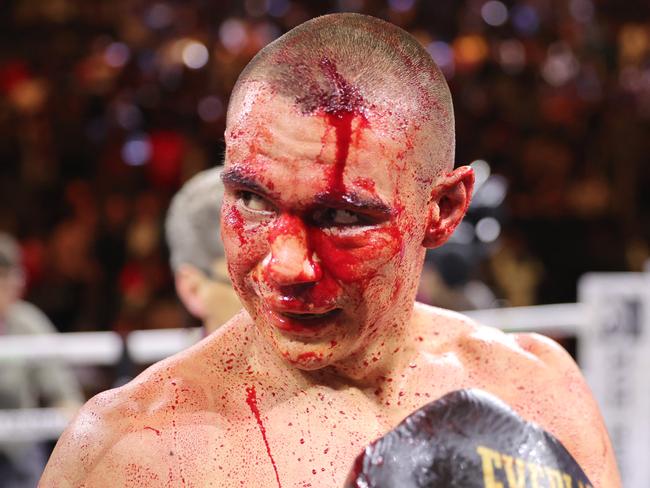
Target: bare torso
[{"x": 220, "y": 414}]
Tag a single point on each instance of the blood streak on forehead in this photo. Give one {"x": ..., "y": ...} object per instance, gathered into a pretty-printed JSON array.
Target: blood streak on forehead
[{"x": 340, "y": 107}]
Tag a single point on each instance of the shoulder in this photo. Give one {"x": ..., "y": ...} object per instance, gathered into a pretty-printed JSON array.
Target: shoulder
[
  {"x": 95, "y": 428},
  {"x": 134, "y": 420},
  {"x": 534, "y": 375},
  {"x": 110, "y": 421},
  {"x": 465, "y": 334}
]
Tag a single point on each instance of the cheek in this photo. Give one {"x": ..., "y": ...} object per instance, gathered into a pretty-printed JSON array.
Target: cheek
[
  {"x": 244, "y": 243},
  {"x": 359, "y": 257}
]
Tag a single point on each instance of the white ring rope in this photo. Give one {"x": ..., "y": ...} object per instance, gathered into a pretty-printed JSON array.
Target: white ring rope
[{"x": 148, "y": 346}]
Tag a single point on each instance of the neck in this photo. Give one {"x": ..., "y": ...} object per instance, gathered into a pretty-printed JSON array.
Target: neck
[{"x": 378, "y": 357}]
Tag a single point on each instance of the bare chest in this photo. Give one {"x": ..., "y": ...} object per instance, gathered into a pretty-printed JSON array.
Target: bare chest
[{"x": 309, "y": 440}]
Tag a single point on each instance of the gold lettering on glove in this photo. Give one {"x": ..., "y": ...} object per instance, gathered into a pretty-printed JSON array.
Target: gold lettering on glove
[{"x": 521, "y": 474}]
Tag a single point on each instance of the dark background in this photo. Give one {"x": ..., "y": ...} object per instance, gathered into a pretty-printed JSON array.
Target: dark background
[{"x": 102, "y": 119}]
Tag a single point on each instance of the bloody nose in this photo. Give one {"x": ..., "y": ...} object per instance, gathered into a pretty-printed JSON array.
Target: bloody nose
[{"x": 291, "y": 261}]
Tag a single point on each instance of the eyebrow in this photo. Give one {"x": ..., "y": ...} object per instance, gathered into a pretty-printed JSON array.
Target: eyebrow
[
  {"x": 237, "y": 177},
  {"x": 353, "y": 200}
]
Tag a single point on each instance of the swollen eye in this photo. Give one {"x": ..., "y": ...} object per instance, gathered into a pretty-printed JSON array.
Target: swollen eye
[
  {"x": 255, "y": 202},
  {"x": 343, "y": 217},
  {"x": 332, "y": 217}
]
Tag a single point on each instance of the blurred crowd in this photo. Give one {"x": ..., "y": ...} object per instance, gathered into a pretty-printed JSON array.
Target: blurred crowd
[{"x": 106, "y": 108}]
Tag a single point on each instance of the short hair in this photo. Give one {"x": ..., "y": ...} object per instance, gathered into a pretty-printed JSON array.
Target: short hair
[
  {"x": 348, "y": 60},
  {"x": 10, "y": 254},
  {"x": 192, "y": 226}
]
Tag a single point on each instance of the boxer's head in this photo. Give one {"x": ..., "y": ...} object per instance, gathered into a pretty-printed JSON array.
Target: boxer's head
[
  {"x": 196, "y": 251},
  {"x": 338, "y": 175}
]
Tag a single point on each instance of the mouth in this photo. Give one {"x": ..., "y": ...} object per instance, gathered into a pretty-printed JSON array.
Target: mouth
[
  {"x": 305, "y": 323},
  {"x": 308, "y": 316}
]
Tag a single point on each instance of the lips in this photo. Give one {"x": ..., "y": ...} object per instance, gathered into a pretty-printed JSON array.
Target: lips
[
  {"x": 310, "y": 316},
  {"x": 304, "y": 323}
]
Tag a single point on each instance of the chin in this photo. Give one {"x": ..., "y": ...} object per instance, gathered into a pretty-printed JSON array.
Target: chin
[{"x": 308, "y": 356}]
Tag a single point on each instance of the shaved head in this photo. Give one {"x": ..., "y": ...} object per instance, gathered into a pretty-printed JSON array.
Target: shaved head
[
  {"x": 356, "y": 63},
  {"x": 338, "y": 175}
]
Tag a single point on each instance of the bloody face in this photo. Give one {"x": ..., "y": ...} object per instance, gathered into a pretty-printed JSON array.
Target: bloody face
[{"x": 322, "y": 223}]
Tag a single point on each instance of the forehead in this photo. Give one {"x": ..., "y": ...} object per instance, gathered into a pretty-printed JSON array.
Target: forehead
[{"x": 369, "y": 149}]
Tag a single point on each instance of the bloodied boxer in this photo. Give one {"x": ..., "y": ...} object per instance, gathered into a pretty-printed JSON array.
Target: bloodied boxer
[{"x": 338, "y": 174}]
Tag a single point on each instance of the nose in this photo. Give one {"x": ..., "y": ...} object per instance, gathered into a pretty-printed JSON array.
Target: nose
[{"x": 291, "y": 261}]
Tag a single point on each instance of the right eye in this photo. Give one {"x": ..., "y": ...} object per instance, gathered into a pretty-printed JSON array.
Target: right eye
[
  {"x": 334, "y": 217},
  {"x": 254, "y": 202}
]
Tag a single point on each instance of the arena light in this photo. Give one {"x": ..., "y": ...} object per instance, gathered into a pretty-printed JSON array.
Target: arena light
[
  {"x": 512, "y": 56},
  {"x": 159, "y": 16},
  {"x": 488, "y": 229},
  {"x": 401, "y": 5},
  {"x": 582, "y": 10},
  {"x": 494, "y": 13},
  {"x": 257, "y": 8},
  {"x": 136, "y": 151},
  {"x": 525, "y": 19},
  {"x": 210, "y": 108},
  {"x": 481, "y": 172},
  {"x": 560, "y": 65},
  {"x": 117, "y": 54},
  {"x": 443, "y": 55},
  {"x": 278, "y": 8},
  {"x": 232, "y": 35},
  {"x": 491, "y": 193},
  {"x": 127, "y": 115},
  {"x": 464, "y": 233},
  {"x": 195, "y": 55}
]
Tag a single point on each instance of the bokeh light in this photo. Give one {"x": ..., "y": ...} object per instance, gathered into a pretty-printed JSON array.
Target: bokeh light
[
  {"x": 232, "y": 35},
  {"x": 136, "y": 151},
  {"x": 481, "y": 172},
  {"x": 127, "y": 115},
  {"x": 512, "y": 56},
  {"x": 159, "y": 16},
  {"x": 443, "y": 55},
  {"x": 525, "y": 19},
  {"x": 494, "y": 13},
  {"x": 117, "y": 54},
  {"x": 560, "y": 66},
  {"x": 210, "y": 108},
  {"x": 401, "y": 5},
  {"x": 464, "y": 233},
  {"x": 582, "y": 10},
  {"x": 492, "y": 192},
  {"x": 488, "y": 229},
  {"x": 195, "y": 55},
  {"x": 257, "y": 8},
  {"x": 278, "y": 8}
]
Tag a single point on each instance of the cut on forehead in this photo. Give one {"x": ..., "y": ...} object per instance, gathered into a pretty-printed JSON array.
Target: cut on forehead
[{"x": 353, "y": 62}]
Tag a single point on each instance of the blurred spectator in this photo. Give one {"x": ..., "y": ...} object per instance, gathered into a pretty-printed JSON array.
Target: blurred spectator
[
  {"x": 27, "y": 385},
  {"x": 197, "y": 254}
]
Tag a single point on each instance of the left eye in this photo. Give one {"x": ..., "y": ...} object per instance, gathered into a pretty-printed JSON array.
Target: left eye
[{"x": 254, "y": 202}]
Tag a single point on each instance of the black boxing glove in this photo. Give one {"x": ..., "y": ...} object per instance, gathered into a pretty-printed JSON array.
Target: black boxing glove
[{"x": 466, "y": 439}]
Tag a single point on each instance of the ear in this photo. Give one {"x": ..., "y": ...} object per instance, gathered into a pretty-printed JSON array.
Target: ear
[
  {"x": 449, "y": 202},
  {"x": 189, "y": 282}
]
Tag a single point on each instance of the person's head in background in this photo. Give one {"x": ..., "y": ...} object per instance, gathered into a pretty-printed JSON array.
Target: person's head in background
[
  {"x": 196, "y": 251},
  {"x": 11, "y": 272}
]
